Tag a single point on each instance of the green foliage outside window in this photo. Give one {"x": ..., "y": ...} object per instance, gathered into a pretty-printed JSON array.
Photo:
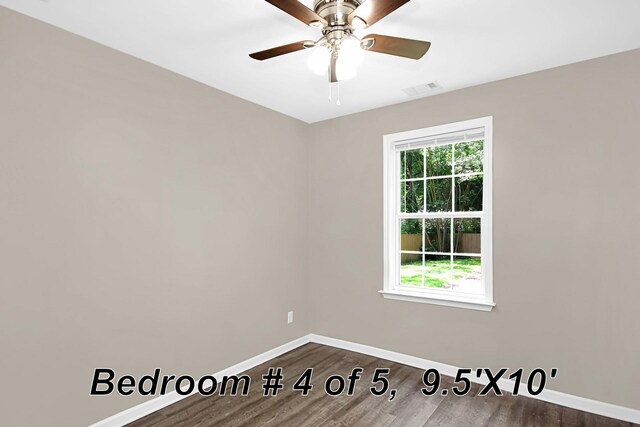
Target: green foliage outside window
[{"x": 436, "y": 195}]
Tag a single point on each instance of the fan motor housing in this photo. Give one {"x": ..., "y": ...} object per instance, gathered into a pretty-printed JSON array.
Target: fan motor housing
[{"x": 336, "y": 12}]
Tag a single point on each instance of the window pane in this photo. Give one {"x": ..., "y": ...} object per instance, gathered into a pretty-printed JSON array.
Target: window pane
[
  {"x": 439, "y": 195},
  {"x": 437, "y": 235},
  {"x": 439, "y": 160},
  {"x": 466, "y": 235},
  {"x": 469, "y": 157},
  {"x": 467, "y": 274},
  {"x": 412, "y": 196},
  {"x": 437, "y": 271},
  {"x": 412, "y": 164},
  {"x": 469, "y": 193},
  {"x": 411, "y": 235},
  {"x": 411, "y": 270}
]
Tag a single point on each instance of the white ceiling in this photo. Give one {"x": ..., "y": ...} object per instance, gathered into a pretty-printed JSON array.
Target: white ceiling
[{"x": 474, "y": 42}]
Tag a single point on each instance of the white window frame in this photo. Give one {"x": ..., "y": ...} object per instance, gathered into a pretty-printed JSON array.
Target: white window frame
[{"x": 392, "y": 289}]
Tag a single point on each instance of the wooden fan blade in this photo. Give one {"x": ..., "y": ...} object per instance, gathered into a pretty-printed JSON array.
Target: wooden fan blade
[
  {"x": 280, "y": 50},
  {"x": 372, "y": 11},
  {"x": 299, "y": 11},
  {"x": 407, "y": 48},
  {"x": 332, "y": 69}
]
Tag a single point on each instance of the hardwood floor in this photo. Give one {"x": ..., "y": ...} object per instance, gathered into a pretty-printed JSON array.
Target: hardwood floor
[{"x": 409, "y": 408}]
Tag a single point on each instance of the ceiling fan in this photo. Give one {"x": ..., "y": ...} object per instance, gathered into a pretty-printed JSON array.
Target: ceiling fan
[{"x": 339, "y": 48}]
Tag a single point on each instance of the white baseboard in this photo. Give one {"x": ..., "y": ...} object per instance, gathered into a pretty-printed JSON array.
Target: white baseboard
[
  {"x": 551, "y": 396},
  {"x": 153, "y": 405}
]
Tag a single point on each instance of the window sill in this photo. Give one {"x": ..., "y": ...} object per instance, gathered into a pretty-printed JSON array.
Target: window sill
[{"x": 470, "y": 304}]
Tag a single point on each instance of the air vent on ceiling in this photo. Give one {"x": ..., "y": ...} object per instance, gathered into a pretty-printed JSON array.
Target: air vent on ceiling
[{"x": 422, "y": 89}]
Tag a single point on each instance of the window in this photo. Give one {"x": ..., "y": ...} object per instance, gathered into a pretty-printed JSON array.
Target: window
[{"x": 438, "y": 226}]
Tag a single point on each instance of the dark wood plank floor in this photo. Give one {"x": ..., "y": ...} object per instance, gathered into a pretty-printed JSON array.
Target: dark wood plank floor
[{"x": 409, "y": 408}]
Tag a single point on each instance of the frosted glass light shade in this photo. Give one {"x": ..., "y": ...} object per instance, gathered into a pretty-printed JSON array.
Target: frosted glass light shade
[
  {"x": 349, "y": 58},
  {"x": 318, "y": 61},
  {"x": 350, "y": 49}
]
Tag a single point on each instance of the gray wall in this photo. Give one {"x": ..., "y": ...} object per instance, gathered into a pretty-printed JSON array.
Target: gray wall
[
  {"x": 566, "y": 231},
  {"x": 146, "y": 221}
]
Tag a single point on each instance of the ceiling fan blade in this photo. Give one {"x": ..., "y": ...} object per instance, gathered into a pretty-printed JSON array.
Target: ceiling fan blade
[
  {"x": 281, "y": 50},
  {"x": 332, "y": 69},
  {"x": 407, "y": 48},
  {"x": 372, "y": 11},
  {"x": 300, "y": 12}
]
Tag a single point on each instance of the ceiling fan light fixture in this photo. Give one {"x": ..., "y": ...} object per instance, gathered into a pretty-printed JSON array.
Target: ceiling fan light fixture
[
  {"x": 318, "y": 61},
  {"x": 339, "y": 52}
]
